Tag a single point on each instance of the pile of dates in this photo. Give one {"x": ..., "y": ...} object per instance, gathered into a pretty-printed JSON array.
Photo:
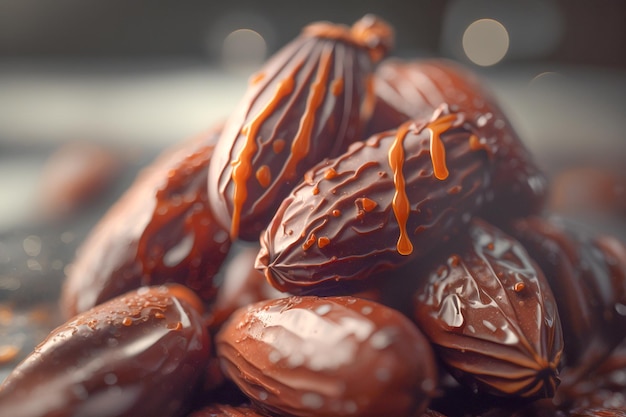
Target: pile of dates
[{"x": 364, "y": 236}]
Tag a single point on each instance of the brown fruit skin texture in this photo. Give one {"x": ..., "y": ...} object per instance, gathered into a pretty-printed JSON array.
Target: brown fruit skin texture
[
  {"x": 308, "y": 102},
  {"x": 328, "y": 356},
  {"x": 161, "y": 230},
  {"x": 414, "y": 88},
  {"x": 588, "y": 273},
  {"x": 363, "y": 238},
  {"x": 141, "y": 353},
  {"x": 224, "y": 410},
  {"x": 490, "y": 313}
]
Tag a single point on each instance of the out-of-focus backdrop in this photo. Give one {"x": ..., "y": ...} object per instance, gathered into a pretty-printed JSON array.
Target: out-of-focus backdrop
[{"x": 96, "y": 89}]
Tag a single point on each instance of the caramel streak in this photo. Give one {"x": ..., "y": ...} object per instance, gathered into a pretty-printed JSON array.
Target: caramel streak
[
  {"x": 400, "y": 202},
  {"x": 301, "y": 144},
  {"x": 242, "y": 165},
  {"x": 437, "y": 150}
]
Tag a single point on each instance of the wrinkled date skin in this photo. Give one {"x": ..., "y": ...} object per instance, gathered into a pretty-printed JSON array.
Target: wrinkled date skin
[
  {"x": 588, "y": 273},
  {"x": 414, "y": 88},
  {"x": 489, "y": 312},
  {"x": 377, "y": 206},
  {"x": 161, "y": 230},
  {"x": 139, "y": 354},
  {"x": 328, "y": 356},
  {"x": 308, "y": 102}
]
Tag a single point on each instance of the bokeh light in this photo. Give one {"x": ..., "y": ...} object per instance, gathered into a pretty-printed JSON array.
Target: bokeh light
[
  {"x": 243, "y": 48},
  {"x": 485, "y": 42}
]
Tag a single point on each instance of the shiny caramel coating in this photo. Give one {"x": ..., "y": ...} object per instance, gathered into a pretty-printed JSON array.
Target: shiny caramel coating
[
  {"x": 328, "y": 356},
  {"x": 308, "y": 102},
  {"x": 161, "y": 230},
  {"x": 141, "y": 353},
  {"x": 376, "y": 207},
  {"x": 491, "y": 315}
]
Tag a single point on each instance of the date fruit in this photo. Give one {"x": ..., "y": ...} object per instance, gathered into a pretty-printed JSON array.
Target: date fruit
[
  {"x": 490, "y": 313},
  {"x": 328, "y": 356},
  {"x": 308, "y": 102},
  {"x": 386, "y": 201},
  {"x": 139, "y": 354},
  {"x": 161, "y": 230},
  {"x": 414, "y": 88},
  {"x": 588, "y": 272}
]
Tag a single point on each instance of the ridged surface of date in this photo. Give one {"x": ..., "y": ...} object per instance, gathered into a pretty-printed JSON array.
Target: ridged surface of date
[
  {"x": 309, "y": 101},
  {"x": 377, "y": 206},
  {"x": 414, "y": 88},
  {"x": 491, "y": 315},
  {"x": 588, "y": 272},
  {"x": 139, "y": 354},
  {"x": 328, "y": 356},
  {"x": 161, "y": 230}
]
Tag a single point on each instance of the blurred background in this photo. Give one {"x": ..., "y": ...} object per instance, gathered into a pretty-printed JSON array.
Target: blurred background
[{"x": 92, "y": 91}]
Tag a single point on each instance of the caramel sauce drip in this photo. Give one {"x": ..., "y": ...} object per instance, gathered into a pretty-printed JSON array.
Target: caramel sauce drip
[
  {"x": 437, "y": 150},
  {"x": 336, "y": 87},
  {"x": 278, "y": 145},
  {"x": 477, "y": 144},
  {"x": 400, "y": 202},
  {"x": 310, "y": 241},
  {"x": 264, "y": 176},
  {"x": 302, "y": 141},
  {"x": 370, "y": 33},
  {"x": 367, "y": 204},
  {"x": 242, "y": 164},
  {"x": 256, "y": 78},
  {"x": 330, "y": 173},
  {"x": 323, "y": 241}
]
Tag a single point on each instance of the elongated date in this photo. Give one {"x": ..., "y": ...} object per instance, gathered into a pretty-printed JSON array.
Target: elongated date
[
  {"x": 328, "y": 356},
  {"x": 308, "y": 102},
  {"x": 588, "y": 272},
  {"x": 390, "y": 199},
  {"x": 491, "y": 315},
  {"x": 141, "y": 353},
  {"x": 161, "y": 230}
]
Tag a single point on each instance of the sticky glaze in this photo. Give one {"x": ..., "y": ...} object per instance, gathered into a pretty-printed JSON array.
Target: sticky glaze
[
  {"x": 308, "y": 106},
  {"x": 394, "y": 170},
  {"x": 332, "y": 356},
  {"x": 494, "y": 336},
  {"x": 161, "y": 230},
  {"x": 141, "y": 353}
]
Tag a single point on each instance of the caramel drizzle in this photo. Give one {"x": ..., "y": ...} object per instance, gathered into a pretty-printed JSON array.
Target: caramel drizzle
[
  {"x": 400, "y": 202},
  {"x": 302, "y": 141},
  {"x": 242, "y": 165},
  {"x": 437, "y": 150}
]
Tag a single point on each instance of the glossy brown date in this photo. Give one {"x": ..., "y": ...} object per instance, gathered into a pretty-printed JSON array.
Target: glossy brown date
[
  {"x": 587, "y": 272},
  {"x": 390, "y": 199},
  {"x": 161, "y": 230},
  {"x": 308, "y": 102},
  {"x": 141, "y": 353},
  {"x": 490, "y": 313},
  {"x": 414, "y": 88},
  {"x": 328, "y": 356}
]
